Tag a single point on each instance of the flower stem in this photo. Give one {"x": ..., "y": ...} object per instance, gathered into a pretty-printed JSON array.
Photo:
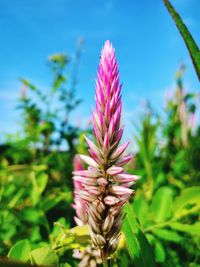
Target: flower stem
[{"x": 104, "y": 258}]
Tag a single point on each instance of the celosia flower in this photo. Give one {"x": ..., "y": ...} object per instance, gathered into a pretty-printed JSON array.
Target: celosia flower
[{"x": 105, "y": 183}]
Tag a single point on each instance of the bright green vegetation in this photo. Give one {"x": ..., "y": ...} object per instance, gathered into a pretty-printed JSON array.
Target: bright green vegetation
[{"x": 161, "y": 225}]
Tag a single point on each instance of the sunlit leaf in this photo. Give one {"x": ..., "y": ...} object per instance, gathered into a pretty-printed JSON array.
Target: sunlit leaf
[
  {"x": 16, "y": 197},
  {"x": 41, "y": 180},
  {"x": 162, "y": 204},
  {"x": 60, "y": 79},
  {"x": 159, "y": 249},
  {"x": 138, "y": 246},
  {"x": 140, "y": 206},
  {"x": 75, "y": 237},
  {"x": 192, "y": 229},
  {"x": 167, "y": 235},
  {"x": 20, "y": 251},
  {"x": 189, "y": 196},
  {"x": 60, "y": 59},
  {"x": 44, "y": 256}
]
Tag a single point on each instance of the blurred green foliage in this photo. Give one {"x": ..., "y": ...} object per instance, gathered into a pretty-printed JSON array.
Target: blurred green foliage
[
  {"x": 36, "y": 165},
  {"x": 167, "y": 201},
  {"x": 161, "y": 226}
]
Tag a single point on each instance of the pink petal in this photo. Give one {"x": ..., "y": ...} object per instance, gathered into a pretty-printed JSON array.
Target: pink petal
[
  {"x": 111, "y": 200},
  {"x": 91, "y": 144},
  {"x": 106, "y": 144},
  {"x": 124, "y": 159},
  {"x": 78, "y": 166},
  {"x": 114, "y": 170},
  {"x": 91, "y": 173},
  {"x": 119, "y": 150},
  {"x": 102, "y": 181},
  {"x": 126, "y": 177},
  {"x": 121, "y": 191},
  {"x": 89, "y": 161},
  {"x": 85, "y": 181}
]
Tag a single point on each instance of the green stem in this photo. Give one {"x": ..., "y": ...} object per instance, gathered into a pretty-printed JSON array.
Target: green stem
[
  {"x": 105, "y": 263},
  {"x": 158, "y": 225}
]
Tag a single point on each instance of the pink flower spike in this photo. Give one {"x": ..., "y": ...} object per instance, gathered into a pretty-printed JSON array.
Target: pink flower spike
[{"x": 106, "y": 197}]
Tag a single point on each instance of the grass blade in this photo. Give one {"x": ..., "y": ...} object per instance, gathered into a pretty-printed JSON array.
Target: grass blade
[{"x": 187, "y": 37}]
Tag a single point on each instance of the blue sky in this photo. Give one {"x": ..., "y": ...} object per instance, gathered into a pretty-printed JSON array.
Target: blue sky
[{"x": 148, "y": 47}]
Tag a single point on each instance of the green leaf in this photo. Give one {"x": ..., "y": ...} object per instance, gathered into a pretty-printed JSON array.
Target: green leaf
[
  {"x": 28, "y": 84},
  {"x": 187, "y": 37},
  {"x": 140, "y": 206},
  {"x": 60, "y": 59},
  {"x": 167, "y": 235},
  {"x": 138, "y": 246},
  {"x": 159, "y": 250},
  {"x": 34, "y": 216},
  {"x": 43, "y": 256},
  {"x": 31, "y": 215},
  {"x": 192, "y": 229},
  {"x": 42, "y": 180},
  {"x": 50, "y": 201},
  {"x": 162, "y": 204},
  {"x": 60, "y": 79},
  {"x": 16, "y": 198},
  {"x": 160, "y": 254},
  {"x": 189, "y": 196},
  {"x": 75, "y": 237},
  {"x": 39, "y": 181},
  {"x": 20, "y": 251}
]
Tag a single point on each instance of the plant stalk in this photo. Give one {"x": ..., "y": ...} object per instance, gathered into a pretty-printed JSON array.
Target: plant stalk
[
  {"x": 105, "y": 263},
  {"x": 104, "y": 259}
]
